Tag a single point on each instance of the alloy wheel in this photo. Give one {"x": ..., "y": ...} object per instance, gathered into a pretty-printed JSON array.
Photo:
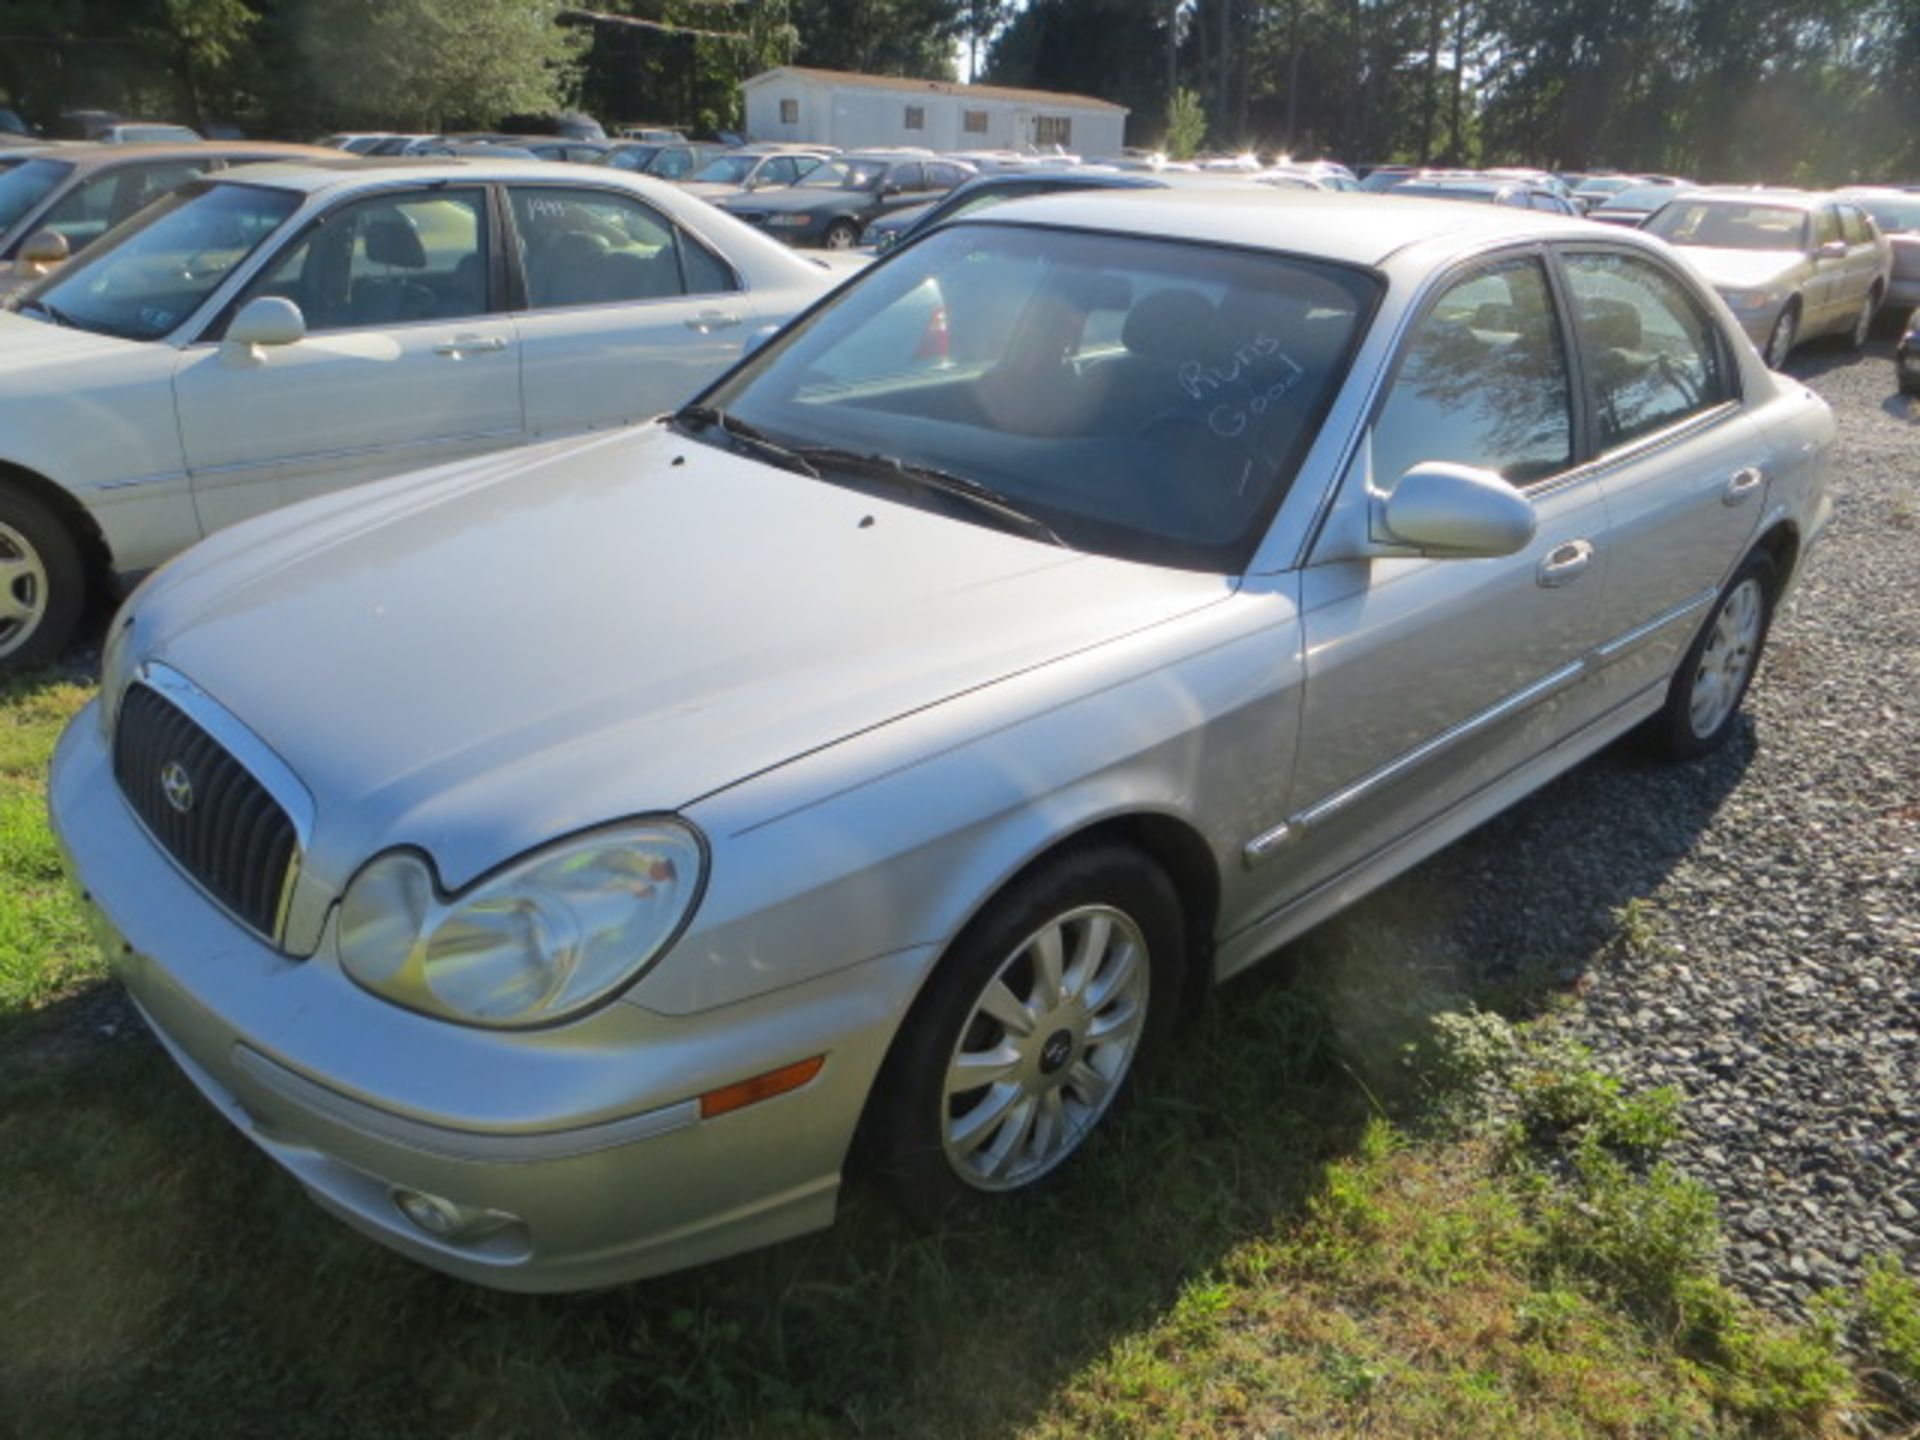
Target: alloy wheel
[
  {"x": 1721, "y": 675},
  {"x": 1045, "y": 1049},
  {"x": 1780, "y": 343},
  {"x": 23, "y": 590}
]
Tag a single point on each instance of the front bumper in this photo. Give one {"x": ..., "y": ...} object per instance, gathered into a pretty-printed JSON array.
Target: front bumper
[{"x": 579, "y": 1153}]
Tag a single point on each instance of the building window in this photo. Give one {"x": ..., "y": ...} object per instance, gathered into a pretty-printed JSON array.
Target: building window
[
  {"x": 975, "y": 122},
  {"x": 789, "y": 112},
  {"x": 916, "y": 117},
  {"x": 1052, "y": 130}
]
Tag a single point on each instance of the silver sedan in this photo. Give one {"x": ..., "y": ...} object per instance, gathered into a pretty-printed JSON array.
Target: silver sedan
[{"x": 556, "y": 860}]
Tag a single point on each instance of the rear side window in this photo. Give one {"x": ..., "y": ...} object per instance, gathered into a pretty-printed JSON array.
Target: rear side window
[
  {"x": 391, "y": 260},
  {"x": 1483, "y": 382},
  {"x": 596, "y": 247},
  {"x": 1653, "y": 357},
  {"x": 1854, "y": 226}
]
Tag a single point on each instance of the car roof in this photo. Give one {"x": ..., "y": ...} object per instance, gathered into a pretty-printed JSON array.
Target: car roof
[
  {"x": 1758, "y": 195},
  {"x": 1354, "y": 228},
  {"x": 101, "y": 157}
]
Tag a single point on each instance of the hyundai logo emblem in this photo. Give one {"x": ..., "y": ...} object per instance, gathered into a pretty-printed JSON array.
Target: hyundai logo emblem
[{"x": 177, "y": 785}]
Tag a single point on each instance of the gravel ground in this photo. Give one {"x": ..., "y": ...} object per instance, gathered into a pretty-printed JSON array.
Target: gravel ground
[{"x": 1772, "y": 966}]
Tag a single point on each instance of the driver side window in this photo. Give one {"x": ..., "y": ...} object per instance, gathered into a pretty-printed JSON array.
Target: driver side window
[
  {"x": 389, "y": 260},
  {"x": 1482, "y": 382}
]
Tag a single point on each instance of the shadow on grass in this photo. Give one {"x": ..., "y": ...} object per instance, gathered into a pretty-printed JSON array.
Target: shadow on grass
[{"x": 165, "y": 1279}]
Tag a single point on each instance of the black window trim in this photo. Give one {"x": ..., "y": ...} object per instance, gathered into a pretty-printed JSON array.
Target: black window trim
[{"x": 517, "y": 295}]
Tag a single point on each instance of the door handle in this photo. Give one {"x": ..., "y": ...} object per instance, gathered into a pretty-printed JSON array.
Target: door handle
[
  {"x": 1566, "y": 563},
  {"x": 707, "y": 321},
  {"x": 1743, "y": 485},
  {"x": 470, "y": 345}
]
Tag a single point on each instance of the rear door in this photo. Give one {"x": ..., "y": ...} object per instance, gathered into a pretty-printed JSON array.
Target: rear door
[
  {"x": 621, "y": 314},
  {"x": 1828, "y": 290},
  {"x": 405, "y": 363},
  {"x": 1683, "y": 469}
]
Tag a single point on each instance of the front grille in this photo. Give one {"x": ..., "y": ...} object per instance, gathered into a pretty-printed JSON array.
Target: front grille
[{"x": 204, "y": 807}]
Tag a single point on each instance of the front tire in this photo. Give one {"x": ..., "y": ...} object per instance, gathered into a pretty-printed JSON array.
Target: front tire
[
  {"x": 1703, "y": 698},
  {"x": 842, "y": 235},
  {"x": 1863, "y": 322},
  {"x": 42, "y": 582},
  {"x": 1783, "y": 337},
  {"x": 1027, "y": 1034}
]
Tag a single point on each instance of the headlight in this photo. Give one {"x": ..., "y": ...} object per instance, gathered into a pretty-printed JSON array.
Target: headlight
[
  {"x": 550, "y": 935},
  {"x": 1747, "y": 299},
  {"x": 115, "y": 671},
  {"x": 791, "y": 222}
]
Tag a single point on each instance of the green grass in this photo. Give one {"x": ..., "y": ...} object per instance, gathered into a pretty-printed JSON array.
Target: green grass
[{"x": 1303, "y": 1227}]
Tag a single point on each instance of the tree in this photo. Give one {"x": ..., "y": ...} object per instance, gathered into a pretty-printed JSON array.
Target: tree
[
  {"x": 1186, "y": 126},
  {"x": 437, "y": 64}
]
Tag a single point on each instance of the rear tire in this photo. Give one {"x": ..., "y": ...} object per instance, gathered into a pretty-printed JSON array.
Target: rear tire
[
  {"x": 1704, "y": 696},
  {"x": 43, "y": 582},
  {"x": 1028, "y": 1033}
]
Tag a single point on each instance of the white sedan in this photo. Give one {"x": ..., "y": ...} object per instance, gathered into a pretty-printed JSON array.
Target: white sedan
[{"x": 248, "y": 342}]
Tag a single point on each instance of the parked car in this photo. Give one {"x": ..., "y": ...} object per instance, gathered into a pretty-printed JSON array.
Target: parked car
[
  {"x": 1896, "y": 213},
  {"x": 653, "y": 134},
  {"x": 567, "y": 125},
  {"x": 1906, "y": 356},
  {"x": 1632, "y": 206},
  {"x": 354, "y": 143},
  {"x": 1487, "y": 190},
  {"x": 673, "y": 161},
  {"x": 737, "y": 172},
  {"x": 1791, "y": 264},
  {"x": 572, "y": 152},
  {"x": 241, "y": 345},
  {"x": 61, "y": 201},
  {"x": 898, "y": 226},
  {"x": 143, "y": 132},
  {"x": 12, "y": 125},
  {"x": 896, "y": 745},
  {"x": 832, "y": 204}
]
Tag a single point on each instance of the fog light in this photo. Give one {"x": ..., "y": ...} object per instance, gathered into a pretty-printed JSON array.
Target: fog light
[{"x": 447, "y": 1220}]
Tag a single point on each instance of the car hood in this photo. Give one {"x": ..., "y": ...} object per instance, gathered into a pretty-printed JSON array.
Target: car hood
[
  {"x": 29, "y": 347},
  {"x": 712, "y": 189},
  {"x": 1742, "y": 269},
  {"x": 477, "y": 659}
]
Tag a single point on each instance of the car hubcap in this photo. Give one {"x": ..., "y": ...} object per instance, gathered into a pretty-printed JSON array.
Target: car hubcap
[
  {"x": 1725, "y": 661},
  {"x": 23, "y": 590},
  {"x": 839, "y": 238},
  {"x": 1046, "y": 1048}
]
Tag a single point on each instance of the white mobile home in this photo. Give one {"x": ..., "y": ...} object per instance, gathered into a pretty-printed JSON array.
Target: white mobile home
[{"x": 867, "y": 112}]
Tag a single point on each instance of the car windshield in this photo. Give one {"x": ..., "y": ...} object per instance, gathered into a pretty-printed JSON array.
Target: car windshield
[
  {"x": 727, "y": 170},
  {"x": 1893, "y": 214},
  {"x": 142, "y": 279},
  {"x": 1607, "y": 185},
  {"x": 843, "y": 175},
  {"x": 1731, "y": 225},
  {"x": 25, "y": 186},
  {"x": 1641, "y": 197},
  {"x": 630, "y": 157},
  {"x": 1146, "y": 399}
]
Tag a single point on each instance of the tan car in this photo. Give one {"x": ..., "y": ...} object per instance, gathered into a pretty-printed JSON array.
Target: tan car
[
  {"x": 79, "y": 192},
  {"x": 1791, "y": 264}
]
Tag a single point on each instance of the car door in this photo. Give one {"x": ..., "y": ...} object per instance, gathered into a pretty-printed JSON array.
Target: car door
[
  {"x": 1683, "y": 468},
  {"x": 905, "y": 185},
  {"x": 1863, "y": 258},
  {"x": 1828, "y": 288},
  {"x": 1428, "y": 679},
  {"x": 404, "y": 364},
  {"x": 622, "y": 314}
]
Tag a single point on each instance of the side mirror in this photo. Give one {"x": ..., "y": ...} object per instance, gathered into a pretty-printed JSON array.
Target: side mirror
[
  {"x": 1457, "y": 511},
  {"x": 269, "y": 320},
  {"x": 44, "y": 251},
  {"x": 1833, "y": 250}
]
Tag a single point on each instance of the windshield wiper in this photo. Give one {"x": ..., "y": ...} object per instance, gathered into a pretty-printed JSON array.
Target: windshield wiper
[
  {"x": 983, "y": 499},
  {"x": 742, "y": 437},
  {"x": 52, "y": 312}
]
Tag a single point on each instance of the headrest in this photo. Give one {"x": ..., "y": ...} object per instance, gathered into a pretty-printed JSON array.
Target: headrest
[
  {"x": 1612, "y": 324},
  {"x": 1168, "y": 325},
  {"x": 392, "y": 240}
]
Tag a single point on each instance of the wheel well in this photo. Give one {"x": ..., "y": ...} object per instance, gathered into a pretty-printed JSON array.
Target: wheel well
[
  {"x": 1782, "y": 545},
  {"x": 94, "y": 553}
]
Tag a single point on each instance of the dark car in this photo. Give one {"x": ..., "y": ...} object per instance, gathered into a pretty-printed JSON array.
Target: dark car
[
  {"x": 832, "y": 204},
  {"x": 1633, "y": 205},
  {"x": 1906, "y": 359},
  {"x": 1519, "y": 194},
  {"x": 898, "y": 226},
  {"x": 670, "y": 161}
]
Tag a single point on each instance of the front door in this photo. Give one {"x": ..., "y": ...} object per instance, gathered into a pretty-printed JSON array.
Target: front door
[
  {"x": 403, "y": 365},
  {"x": 1429, "y": 679},
  {"x": 625, "y": 315}
]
